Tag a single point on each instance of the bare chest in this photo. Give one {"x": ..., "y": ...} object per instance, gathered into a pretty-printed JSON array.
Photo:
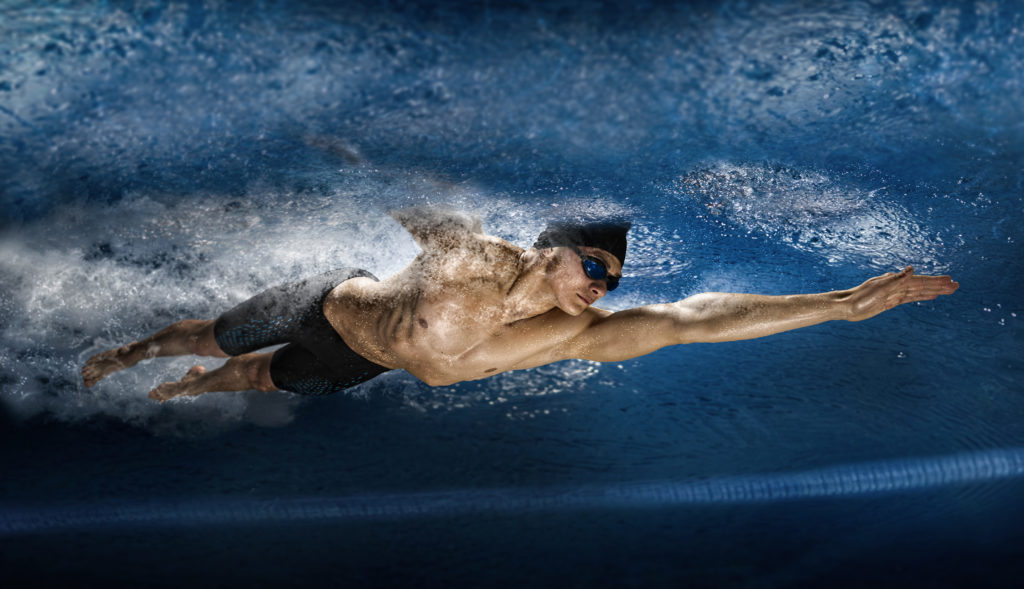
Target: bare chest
[
  {"x": 441, "y": 336},
  {"x": 455, "y": 337}
]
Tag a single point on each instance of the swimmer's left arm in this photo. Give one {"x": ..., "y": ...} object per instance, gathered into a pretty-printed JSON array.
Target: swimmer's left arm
[
  {"x": 437, "y": 228},
  {"x": 722, "y": 317}
]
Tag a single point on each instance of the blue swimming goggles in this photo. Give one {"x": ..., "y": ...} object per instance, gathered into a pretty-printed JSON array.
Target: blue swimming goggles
[{"x": 596, "y": 270}]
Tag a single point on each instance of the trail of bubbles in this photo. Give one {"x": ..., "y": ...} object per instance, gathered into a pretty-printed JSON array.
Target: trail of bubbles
[{"x": 848, "y": 480}]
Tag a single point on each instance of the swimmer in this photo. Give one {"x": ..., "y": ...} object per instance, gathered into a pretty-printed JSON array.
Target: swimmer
[{"x": 471, "y": 306}]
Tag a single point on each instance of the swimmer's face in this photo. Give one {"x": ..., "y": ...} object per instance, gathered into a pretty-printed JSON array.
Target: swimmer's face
[{"x": 574, "y": 290}]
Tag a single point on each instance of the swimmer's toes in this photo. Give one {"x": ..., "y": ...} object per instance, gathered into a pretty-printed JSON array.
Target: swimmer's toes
[
  {"x": 157, "y": 394},
  {"x": 165, "y": 392},
  {"x": 91, "y": 373},
  {"x": 170, "y": 390},
  {"x": 100, "y": 365}
]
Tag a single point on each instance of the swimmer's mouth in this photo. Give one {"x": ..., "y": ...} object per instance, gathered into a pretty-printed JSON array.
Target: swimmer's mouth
[{"x": 585, "y": 300}]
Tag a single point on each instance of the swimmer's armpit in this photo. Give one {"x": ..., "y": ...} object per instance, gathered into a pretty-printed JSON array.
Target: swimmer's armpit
[{"x": 437, "y": 228}]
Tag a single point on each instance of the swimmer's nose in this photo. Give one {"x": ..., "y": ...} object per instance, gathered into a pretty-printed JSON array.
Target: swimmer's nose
[{"x": 598, "y": 289}]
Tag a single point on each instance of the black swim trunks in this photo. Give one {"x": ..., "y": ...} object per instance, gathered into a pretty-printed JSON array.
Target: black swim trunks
[{"x": 316, "y": 360}]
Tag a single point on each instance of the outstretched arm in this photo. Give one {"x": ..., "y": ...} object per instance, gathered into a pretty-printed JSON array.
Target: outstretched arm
[
  {"x": 437, "y": 228},
  {"x": 721, "y": 317}
]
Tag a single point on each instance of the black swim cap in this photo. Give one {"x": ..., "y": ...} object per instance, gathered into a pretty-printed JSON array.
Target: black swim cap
[{"x": 607, "y": 235}]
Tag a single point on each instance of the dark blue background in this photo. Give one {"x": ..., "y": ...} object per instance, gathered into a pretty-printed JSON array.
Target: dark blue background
[{"x": 166, "y": 160}]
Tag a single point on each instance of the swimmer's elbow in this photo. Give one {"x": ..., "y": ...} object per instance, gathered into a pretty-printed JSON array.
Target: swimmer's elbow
[
  {"x": 688, "y": 319},
  {"x": 433, "y": 381}
]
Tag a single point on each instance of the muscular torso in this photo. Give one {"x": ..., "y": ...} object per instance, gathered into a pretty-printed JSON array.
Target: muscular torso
[{"x": 446, "y": 317}]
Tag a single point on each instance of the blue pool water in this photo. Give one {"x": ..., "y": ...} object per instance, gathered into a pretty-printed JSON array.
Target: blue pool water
[{"x": 164, "y": 160}]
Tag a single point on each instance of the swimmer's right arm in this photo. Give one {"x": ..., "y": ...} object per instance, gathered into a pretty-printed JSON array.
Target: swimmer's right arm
[
  {"x": 721, "y": 317},
  {"x": 437, "y": 228}
]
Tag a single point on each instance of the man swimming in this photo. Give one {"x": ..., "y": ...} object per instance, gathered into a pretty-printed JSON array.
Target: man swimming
[{"x": 470, "y": 306}]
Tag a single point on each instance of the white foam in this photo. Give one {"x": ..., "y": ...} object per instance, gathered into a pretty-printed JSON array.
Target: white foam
[
  {"x": 813, "y": 212},
  {"x": 90, "y": 278}
]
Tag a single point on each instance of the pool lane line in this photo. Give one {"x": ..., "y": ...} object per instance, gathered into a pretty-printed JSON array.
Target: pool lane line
[{"x": 851, "y": 480}]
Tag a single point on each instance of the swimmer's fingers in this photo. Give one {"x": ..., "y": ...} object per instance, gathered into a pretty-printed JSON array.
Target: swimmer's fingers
[
  {"x": 919, "y": 284},
  {"x": 889, "y": 290},
  {"x": 918, "y": 288}
]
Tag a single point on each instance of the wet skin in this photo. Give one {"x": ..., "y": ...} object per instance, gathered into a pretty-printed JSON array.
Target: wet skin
[
  {"x": 478, "y": 308},
  {"x": 472, "y": 305}
]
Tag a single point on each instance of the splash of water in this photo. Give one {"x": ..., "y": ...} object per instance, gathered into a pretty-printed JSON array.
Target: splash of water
[{"x": 74, "y": 284}]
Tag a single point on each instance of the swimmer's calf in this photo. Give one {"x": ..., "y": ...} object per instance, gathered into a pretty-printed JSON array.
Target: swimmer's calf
[
  {"x": 470, "y": 306},
  {"x": 191, "y": 336}
]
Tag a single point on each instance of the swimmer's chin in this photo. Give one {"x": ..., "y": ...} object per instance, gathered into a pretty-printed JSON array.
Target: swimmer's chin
[{"x": 579, "y": 305}]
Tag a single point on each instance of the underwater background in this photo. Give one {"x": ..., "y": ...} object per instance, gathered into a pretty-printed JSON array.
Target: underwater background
[{"x": 167, "y": 160}]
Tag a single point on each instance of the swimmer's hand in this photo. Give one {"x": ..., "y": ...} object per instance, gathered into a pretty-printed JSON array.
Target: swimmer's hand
[
  {"x": 884, "y": 292},
  {"x": 711, "y": 317}
]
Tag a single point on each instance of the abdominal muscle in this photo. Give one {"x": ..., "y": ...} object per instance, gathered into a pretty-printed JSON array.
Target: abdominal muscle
[{"x": 440, "y": 335}]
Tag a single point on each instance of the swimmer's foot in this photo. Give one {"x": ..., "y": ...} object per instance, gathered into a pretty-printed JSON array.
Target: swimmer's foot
[
  {"x": 105, "y": 363},
  {"x": 170, "y": 390}
]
